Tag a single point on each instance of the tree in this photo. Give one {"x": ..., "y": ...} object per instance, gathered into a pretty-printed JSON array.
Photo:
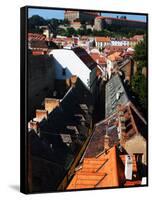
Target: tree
[
  {"x": 141, "y": 54},
  {"x": 62, "y": 31},
  {"x": 139, "y": 88},
  {"x": 66, "y": 22},
  {"x": 81, "y": 32},
  {"x": 34, "y": 22},
  {"x": 88, "y": 31},
  {"x": 139, "y": 81},
  {"x": 70, "y": 31}
]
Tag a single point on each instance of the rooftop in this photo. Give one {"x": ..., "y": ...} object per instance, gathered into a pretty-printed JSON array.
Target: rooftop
[
  {"x": 62, "y": 134},
  {"x": 98, "y": 58},
  {"x": 106, "y": 170},
  {"x": 112, "y": 49},
  {"x": 116, "y": 56},
  {"x": 39, "y": 44},
  {"x": 115, "y": 95},
  {"x": 103, "y": 163},
  {"x": 102, "y": 39},
  {"x": 36, "y": 36},
  {"x": 77, "y": 64},
  {"x": 85, "y": 57}
]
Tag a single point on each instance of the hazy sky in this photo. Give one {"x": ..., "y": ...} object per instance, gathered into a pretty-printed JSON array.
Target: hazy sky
[{"x": 59, "y": 14}]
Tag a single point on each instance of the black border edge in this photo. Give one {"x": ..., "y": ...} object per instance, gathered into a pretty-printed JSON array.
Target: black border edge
[
  {"x": 147, "y": 45},
  {"x": 23, "y": 100}
]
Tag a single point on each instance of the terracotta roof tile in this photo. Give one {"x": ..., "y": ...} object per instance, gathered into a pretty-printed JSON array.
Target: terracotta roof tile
[
  {"x": 115, "y": 56},
  {"x": 98, "y": 58},
  {"x": 102, "y": 39},
  {"x": 97, "y": 172}
]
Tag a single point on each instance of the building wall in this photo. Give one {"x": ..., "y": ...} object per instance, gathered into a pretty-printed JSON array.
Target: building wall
[
  {"x": 98, "y": 24},
  {"x": 110, "y": 67},
  {"x": 128, "y": 70},
  {"x": 102, "y": 44},
  {"x": 61, "y": 71},
  {"x": 81, "y": 15},
  {"x": 46, "y": 32},
  {"x": 137, "y": 144},
  {"x": 71, "y": 15},
  {"x": 85, "y": 16},
  {"x": 67, "y": 63},
  {"x": 76, "y": 25},
  {"x": 41, "y": 78},
  {"x": 101, "y": 23},
  {"x": 120, "y": 43}
]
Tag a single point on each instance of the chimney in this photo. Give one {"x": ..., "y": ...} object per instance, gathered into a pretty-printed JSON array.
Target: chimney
[
  {"x": 51, "y": 104},
  {"x": 128, "y": 167},
  {"x": 119, "y": 108},
  {"x": 41, "y": 114},
  {"x": 73, "y": 80},
  {"x": 106, "y": 142},
  {"x": 33, "y": 125}
]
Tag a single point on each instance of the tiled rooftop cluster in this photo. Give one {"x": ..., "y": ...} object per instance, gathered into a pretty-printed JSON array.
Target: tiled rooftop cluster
[
  {"x": 57, "y": 134},
  {"x": 113, "y": 157},
  {"x": 64, "y": 151}
]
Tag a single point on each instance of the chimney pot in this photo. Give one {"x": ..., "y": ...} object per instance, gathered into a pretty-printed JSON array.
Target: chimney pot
[
  {"x": 51, "y": 104},
  {"x": 73, "y": 79},
  {"x": 106, "y": 142},
  {"x": 34, "y": 126},
  {"x": 41, "y": 114}
]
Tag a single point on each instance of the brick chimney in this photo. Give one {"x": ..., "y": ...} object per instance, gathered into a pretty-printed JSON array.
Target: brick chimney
[
  {"x": 51, "y": 104},
  {"x": 73, "y": 80},
  {"x": 41, "y": 114},
  {"x": 33, "y": 125}
]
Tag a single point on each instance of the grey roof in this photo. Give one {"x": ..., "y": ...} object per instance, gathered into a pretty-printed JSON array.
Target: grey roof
[
  {"x": 124, "y": 63},
  {"x": 115, "y": 94}
]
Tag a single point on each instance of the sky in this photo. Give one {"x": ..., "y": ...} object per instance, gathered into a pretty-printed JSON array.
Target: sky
[{"x": 59, "y": 14}]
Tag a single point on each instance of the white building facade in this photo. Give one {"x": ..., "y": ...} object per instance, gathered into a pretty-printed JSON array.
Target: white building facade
[{"x": 67, "y": 63}]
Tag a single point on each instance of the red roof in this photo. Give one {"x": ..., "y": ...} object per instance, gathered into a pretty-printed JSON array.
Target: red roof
[
  {"x": 105, "y": 170},
  {"x": 98, "y": 58},
  {"x": 96, "y": 172},
  {"x": 102, "y": 39},
  {"x": 36, "y": 36},
  {"x": 111, "y": 49}
]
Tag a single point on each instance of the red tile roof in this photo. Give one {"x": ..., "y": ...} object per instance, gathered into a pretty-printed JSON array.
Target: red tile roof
[
  {"x": 102, "y": 39},
  {"x": 97, "y": 172},
  {"x": 106, "y": 168},
  {"x": 115, "y": 56},
  {"x": 111, "y": 49},
  {"x": 98, "y": 58},
  {"x": 36, "y": 36}
]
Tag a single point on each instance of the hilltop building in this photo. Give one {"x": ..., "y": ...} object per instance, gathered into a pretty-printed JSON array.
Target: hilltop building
[
  {"x": 81, "y": 16},
  {"x": 105, "y": 22}
]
